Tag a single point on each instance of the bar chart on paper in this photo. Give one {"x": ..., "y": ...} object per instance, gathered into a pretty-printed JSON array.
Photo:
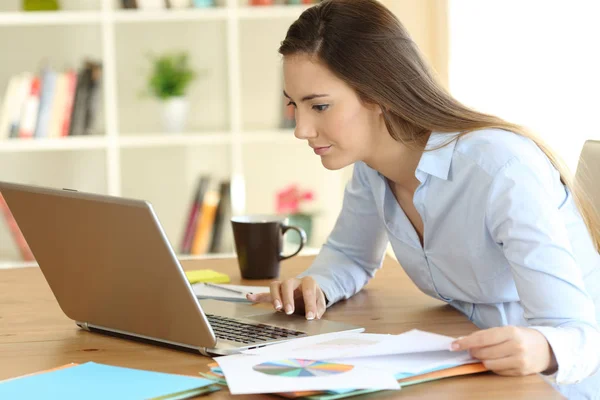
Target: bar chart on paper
[{"x": 301, "y": 368}]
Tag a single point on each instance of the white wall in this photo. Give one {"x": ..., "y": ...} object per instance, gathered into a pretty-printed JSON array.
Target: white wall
[{"x": 533, "y": 62}]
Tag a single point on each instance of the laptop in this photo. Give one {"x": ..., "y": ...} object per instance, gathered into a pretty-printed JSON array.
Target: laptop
[{"x": 112, "y": 270}]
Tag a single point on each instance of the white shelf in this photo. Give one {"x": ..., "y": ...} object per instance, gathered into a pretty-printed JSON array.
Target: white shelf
[
  {"x": 219, "y": 152},
  {"x": 269, "y": 12},
  {"x": 141, "y": 16},
  {"x": 68, "y": 143},
  {"x": 199, "y": 14},
  {"x": 49, "y": 17},
  {"x": 158, "y": 139},
  {"x": 182, "y": 139}
]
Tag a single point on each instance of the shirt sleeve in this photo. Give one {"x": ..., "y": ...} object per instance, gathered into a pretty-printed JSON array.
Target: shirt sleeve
[
  {"x": 355, "y": 248},
  {"x": 528, "y": 212}
]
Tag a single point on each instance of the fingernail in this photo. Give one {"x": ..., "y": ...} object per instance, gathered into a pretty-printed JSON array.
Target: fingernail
[
  {"x": 277, "y": 305},
  {"x": 289, "y": 309},
  {"x": 310, "y": 315},
  {"x": 454, "y": 346}
]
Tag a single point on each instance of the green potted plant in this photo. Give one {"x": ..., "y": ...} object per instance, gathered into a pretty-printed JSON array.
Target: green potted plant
[{"x": 169, "y": 81}]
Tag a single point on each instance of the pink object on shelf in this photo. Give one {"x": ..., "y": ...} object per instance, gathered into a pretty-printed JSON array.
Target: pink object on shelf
[
  {"x": 261, "y": 2},
  {"x": 290, "y": 198}
]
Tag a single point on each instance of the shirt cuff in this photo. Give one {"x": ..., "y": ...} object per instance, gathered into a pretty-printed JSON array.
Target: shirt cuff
[{"x": 576, "y": 359}]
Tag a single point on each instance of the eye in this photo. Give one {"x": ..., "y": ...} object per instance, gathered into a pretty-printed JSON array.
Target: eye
[
  {"x": 320, "y": 107},
  {"x": 291, "y": 103}
]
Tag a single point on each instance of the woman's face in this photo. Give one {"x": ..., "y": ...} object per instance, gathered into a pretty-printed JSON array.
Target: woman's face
[{"x": 329, "y": 114}]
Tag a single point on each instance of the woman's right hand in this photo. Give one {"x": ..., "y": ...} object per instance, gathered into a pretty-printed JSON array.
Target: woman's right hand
[{"x": 302, "y": 296}]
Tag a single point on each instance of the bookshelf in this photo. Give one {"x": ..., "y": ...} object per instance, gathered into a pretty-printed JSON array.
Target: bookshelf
[
  {"x": 234, "y": 129},
  {"x": 235, "y": 111}
]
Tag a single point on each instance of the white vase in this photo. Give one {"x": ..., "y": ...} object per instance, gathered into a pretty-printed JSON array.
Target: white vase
[
  {"x": 174, "y": 114},
  {"x": 151, "y": 4},
  {"x": 180, "y": 3}
]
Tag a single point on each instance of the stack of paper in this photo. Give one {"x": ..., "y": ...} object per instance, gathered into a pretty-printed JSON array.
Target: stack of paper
[
  {"x": 92, "y": 381},
  {"x": 336, "y": 365}
]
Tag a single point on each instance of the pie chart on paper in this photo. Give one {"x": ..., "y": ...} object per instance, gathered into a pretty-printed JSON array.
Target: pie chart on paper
[{"x": 296, "y": 368}]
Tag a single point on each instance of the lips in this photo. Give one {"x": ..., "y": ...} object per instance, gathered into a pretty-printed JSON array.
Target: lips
[{"x": 320, "y": 150}]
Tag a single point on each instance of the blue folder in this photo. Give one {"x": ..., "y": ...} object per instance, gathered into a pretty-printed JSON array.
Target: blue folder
[{"x": 93, "y": 381}]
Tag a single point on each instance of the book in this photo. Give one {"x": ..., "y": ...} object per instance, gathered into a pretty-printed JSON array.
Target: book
[
  {"x": 19, "y": 98},
  {"x": 48, "y": 84},
  {"x": 7, "y": 106},
  {"x": 67, "y": 110},
  {"x": 194, "y": 214},
  {"x": 128, "y": 4},
  {"x": 100, "y": 381},
  {"x": 30, "y": 110},
  {"x": 204, "y": 227},
  {"x": 222, "y": 235},
  {"x": 92, "y": 100}
]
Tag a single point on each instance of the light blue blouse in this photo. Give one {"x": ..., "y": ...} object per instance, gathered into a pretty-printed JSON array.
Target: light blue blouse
[{"x": 503, "y": 243}]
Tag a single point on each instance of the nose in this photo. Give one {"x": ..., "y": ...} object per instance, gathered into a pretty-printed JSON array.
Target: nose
[{"x": 304, "y": 128}]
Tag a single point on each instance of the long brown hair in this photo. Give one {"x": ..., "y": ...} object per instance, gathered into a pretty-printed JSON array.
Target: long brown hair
[{"x": 364, "y": 44}]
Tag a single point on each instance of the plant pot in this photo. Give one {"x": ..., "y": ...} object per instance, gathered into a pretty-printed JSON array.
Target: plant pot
[
  {"x": 303, "y": 221},
  {"x": 174, "y": 114}
]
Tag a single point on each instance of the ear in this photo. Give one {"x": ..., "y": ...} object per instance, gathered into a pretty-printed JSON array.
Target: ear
[{"x": 374, "y": 107}]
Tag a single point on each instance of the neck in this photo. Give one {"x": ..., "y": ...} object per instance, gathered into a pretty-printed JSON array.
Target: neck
[{"x": 396, "y": 161}]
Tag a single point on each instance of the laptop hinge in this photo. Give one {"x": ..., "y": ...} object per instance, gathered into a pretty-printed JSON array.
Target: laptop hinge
[{"x": 83, "y": 325}]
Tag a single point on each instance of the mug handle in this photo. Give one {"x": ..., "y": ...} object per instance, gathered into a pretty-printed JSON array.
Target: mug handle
[{"x": 284, "y": 229}]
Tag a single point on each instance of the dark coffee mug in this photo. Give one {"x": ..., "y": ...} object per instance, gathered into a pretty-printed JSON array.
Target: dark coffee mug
[{"x": 259, "y": 243}]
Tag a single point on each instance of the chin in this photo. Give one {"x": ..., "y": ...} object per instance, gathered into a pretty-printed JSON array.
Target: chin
[{"x": 334, "y": 164}]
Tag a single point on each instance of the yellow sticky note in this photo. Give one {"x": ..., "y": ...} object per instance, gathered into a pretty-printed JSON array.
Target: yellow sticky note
[{"x": 206, "y": 275}]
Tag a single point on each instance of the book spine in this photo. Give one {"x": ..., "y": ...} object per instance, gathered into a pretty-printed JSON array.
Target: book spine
[
  {"x": 30, "y": 110},
  {"x": 69, "y": 101},
  {"x": 205, "y": 223}
]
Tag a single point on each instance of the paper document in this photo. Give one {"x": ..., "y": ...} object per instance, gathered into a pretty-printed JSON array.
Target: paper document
[
  {"x": 225, "y": 291},
  {"x": 248, "y": 374},
  {"x": 345, "y": 345},
  {"x": 412, "y": 364},
  {"x": 98, "y": 381}
]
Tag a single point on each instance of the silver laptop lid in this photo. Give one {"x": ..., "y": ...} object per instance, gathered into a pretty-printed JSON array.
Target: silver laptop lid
[{"x": 109, "y": 263}]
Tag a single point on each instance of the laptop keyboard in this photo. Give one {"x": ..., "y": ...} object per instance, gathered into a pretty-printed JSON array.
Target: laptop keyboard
[{"x": 237, "y": 331}]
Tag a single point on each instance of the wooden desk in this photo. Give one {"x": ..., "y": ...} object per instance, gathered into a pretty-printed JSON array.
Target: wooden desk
[{"x": 35, "y": 334}]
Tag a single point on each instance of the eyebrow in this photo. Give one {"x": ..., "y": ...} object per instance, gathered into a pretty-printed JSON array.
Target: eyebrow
[{"x": 309, "y": 97}]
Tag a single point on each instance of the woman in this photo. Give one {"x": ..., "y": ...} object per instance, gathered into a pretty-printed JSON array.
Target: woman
[{"x": 478, "y": 212}]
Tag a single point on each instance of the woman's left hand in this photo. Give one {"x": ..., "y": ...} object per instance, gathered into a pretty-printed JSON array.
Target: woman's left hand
[{"x": 509, "y": 350}]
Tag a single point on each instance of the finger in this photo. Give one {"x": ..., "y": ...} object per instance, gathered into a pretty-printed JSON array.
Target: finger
[
  {"x": 486, "y": 337},
  {"x": 321, "y": 305},
  {"x": 259, "y": 297},
  {"x": 504, "y": 365},
  {"x": 511, "y": 372},
  {"x": 275, "y": 294},
  {"x": 287, "y": 295},
  {"x": 494, "y": 352},
  {"x": 309, "y": 287}
]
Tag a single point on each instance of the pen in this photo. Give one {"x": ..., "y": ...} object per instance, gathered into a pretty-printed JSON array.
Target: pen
[{"x": 225, "y": 288}]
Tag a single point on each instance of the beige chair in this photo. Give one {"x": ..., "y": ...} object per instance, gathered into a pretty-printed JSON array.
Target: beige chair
[{"x": 587, "y": 175}]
